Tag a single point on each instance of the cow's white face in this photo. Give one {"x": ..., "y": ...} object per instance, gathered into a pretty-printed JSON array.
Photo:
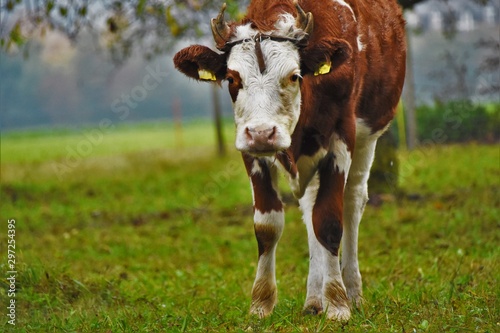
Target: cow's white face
[
  {"x": 266, "y": 105},
  {"x": 264, "y": 77}
]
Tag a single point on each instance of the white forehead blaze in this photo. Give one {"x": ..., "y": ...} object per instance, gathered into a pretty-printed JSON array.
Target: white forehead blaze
[
  {"x": 270, "y": 98},
  {"x": 281, "y": 58}
]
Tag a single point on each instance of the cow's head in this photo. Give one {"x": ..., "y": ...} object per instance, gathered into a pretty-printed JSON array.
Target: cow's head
[{"x": 264, "y": 70}]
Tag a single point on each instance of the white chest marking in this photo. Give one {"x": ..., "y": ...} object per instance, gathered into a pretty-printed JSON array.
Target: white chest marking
[
  {"x": 342, "y": 161},
  {"x": 306, "y": 166}
]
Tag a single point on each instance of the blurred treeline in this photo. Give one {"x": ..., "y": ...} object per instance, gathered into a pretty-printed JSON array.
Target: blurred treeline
[{"x": 120, "y": 32}]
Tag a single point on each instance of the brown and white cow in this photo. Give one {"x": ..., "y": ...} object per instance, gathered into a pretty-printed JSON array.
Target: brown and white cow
[{"x": 314, "y": 84}]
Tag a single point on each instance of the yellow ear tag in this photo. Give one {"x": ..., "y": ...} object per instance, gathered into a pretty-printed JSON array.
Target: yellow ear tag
[
  {"x": 324, "y": 68},
  {"x": 206, "y": 75}
]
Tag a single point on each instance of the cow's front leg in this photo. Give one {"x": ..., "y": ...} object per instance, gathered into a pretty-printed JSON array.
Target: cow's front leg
[
  {"x": 314, "y": 297},
  {"x": 268, "y": 225},
  {"x": 327, "y": 224}
]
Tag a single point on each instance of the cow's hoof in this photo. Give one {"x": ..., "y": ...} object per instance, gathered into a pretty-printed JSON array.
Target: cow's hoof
[
  {"x": 264, "y": 298},
  {"x": 341, "y": 314},
  {"x": 261, "y": 309},
  {"x": 335, "y": 302},
  {"x": 353, "y": 286},
  {"x": 313, "y": 306},
  {"x": 356, "y": 301}
]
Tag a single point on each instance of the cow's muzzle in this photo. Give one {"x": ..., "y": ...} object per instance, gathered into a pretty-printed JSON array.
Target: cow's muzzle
[{"x": 262, "y": 140}]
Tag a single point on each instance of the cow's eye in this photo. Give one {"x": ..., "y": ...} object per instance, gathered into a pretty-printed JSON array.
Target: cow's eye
[
  {"x": 294, "y": 77},
  {"x": 230, "y": 80}
]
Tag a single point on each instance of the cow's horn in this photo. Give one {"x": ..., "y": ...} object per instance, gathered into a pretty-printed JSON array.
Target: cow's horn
[
  {"x": 220, "y": 29},
  {"x": 304, "y": 20}
]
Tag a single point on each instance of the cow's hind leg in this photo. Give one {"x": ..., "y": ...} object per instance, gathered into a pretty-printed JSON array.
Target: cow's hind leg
[
  {"x": 355, "y": 198},
  {"x": 268, "y": 225},
  {"x": 314, "y": 297},
  {"x": 322, "y": 207}
]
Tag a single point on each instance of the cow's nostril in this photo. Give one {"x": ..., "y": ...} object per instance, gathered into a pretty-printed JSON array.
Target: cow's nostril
[
  {"x": 272, "y": 135},
  {"x": 261, "y": 138},
  {"x": 248, "y": 133}
]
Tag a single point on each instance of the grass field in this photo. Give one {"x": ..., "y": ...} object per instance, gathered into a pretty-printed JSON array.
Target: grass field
[{"x": 132, "y": 230}]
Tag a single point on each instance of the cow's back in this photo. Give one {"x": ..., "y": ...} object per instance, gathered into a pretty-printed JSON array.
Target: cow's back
[
  {"x": 375, "y": 31},
  {"x": 384, "y": 52}
]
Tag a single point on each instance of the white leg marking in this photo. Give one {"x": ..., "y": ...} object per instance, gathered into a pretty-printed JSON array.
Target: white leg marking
[
  {"x": 274, "y": 219},
  {"x": 335, "y": 300},
  {"x": 325, "y": 289},
  {"x": 314, "y": 298},
  {"x": 355, "y": 198},
  {"x": 264, "y": 291}
]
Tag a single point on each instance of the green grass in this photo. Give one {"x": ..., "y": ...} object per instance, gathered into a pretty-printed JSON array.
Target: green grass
[
  {"x": 143, "y": 236},
  {"x": 104, "y": 140}
]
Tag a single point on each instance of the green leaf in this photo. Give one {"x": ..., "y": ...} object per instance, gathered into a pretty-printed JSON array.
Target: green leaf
[
  {"x": 82, "y": 11},
  {"x": 50, "y": 5},
  {"x": 140, "y": 7},
  {"x": 16, "y": 36},
  {"x": 172, "y": 22},
  {"x": 112, "y": 26},
  {"x": 233, "y": 9},
  {"x": 63, "y": 11}
]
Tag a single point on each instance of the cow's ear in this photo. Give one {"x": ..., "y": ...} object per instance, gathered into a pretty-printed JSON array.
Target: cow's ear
[
  {"x": 201, "y": 63},
  {"x": 324, "y": 56}
]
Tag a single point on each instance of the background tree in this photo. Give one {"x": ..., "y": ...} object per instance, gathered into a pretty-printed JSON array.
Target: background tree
[
  {"x": 118, "y": 28},
  {"x": 148, "y": 25},
  {"x": 152, "y": 27}
]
